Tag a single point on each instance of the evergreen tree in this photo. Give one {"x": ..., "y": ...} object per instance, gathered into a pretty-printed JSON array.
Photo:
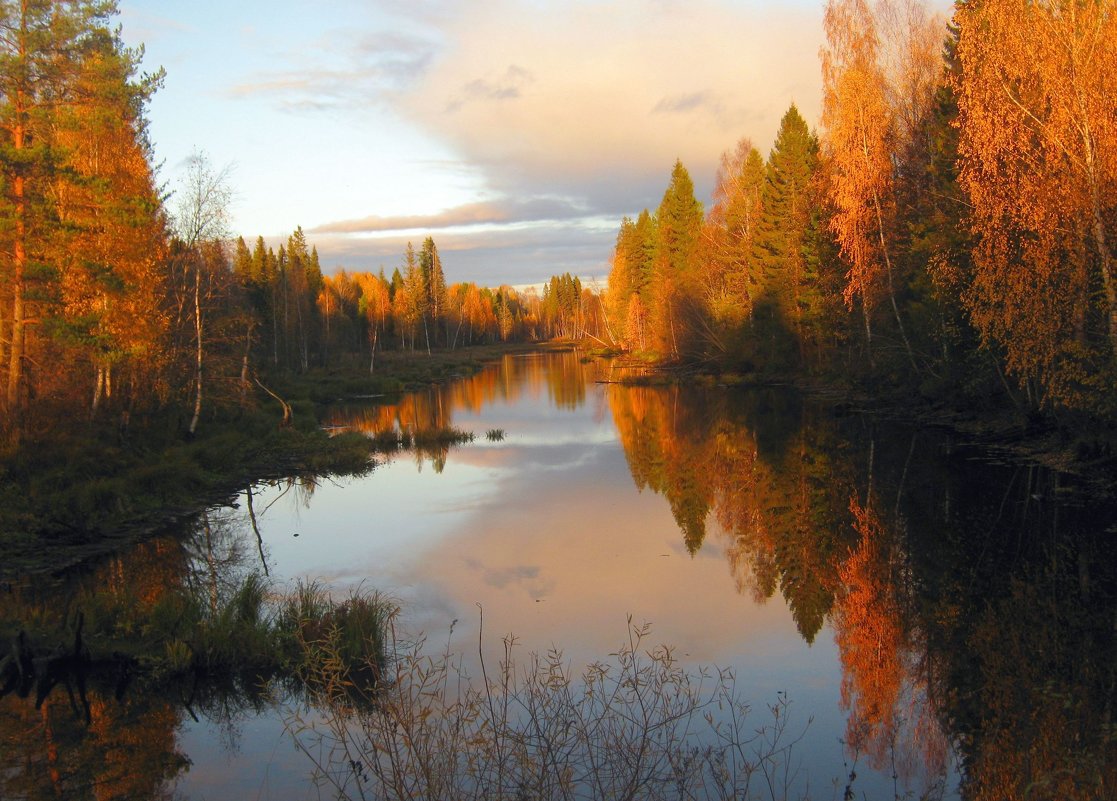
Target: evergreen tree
[
  {"x": 788, "y": 255},
  {"x": 679, "y": 225},
  {"x": 434, "y": 286},
  {"x": 61, "y": 67}
]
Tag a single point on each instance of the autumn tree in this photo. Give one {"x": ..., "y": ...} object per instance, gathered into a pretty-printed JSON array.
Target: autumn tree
[
  {"x": 561, "y": 306},
  {"x": 409, "y": 301},
  {"x": 878, "y": 83},
  {"x": 1038, "y": 152},
  {"x": 631, "y": 279},
  {"x": 375, "y": 306}
]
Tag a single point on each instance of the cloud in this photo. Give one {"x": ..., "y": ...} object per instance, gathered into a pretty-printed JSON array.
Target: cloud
[
  {"x": 527, "y": 255},
  {"x": 684, "y": 104},
  {"x": 469, "y": 214},
  {"x": 605, "y": 95},
  {"x": 558, "y": 114},
  {"x": 507, "y": 86},
  {"x": 350, "y": 70}
]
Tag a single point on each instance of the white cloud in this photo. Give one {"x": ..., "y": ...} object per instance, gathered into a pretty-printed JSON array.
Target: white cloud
[{"x": 576, "y": 97}]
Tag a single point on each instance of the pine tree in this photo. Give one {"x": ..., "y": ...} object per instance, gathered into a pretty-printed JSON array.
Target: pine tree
[
  {"x": 47, "y": 53},
  {"x": 102, "y": 312}
]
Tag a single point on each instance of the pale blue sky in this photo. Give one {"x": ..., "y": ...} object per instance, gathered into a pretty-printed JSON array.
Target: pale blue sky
[{"x": 516, "y": 132}]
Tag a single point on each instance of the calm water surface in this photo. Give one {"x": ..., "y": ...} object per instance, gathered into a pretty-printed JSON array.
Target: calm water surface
[{"x": 942, "y": 623}]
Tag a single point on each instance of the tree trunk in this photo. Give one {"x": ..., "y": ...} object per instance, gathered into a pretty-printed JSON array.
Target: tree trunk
[
  {"x": 256, "y": 529},
  {"x": 198, "y": 344},
  {"x": 98, "y": 390},
  {"x": 19, "y": 263},
  {"x": 868, "y": 328},
  {"x": 244, "y": 367},
  {"x": 891, "y": 288},
  {"x": 1105, "y": 256}
]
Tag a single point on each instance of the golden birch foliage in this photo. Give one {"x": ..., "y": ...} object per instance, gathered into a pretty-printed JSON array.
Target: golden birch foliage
[
  {"x": 1038, "y": 153},
  {"x": 857, "y": 143},
  {"x": 868, "y": 633},
  {"x": 912, "y": 63}
]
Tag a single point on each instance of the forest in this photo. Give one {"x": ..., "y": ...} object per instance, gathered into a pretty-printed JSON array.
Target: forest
[
  {"x": 949, "y": 230},
  {"x": 947, "y": 233},
  {"x": 123, "y": 301}
]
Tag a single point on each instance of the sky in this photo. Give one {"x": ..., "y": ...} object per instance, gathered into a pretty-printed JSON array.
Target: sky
[{"x": 516, "y": 133}]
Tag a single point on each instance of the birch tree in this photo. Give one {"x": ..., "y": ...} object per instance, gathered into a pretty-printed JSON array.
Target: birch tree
[
  {"x": 202, "y": 218},
  {"x": 1038, "y": 152}
]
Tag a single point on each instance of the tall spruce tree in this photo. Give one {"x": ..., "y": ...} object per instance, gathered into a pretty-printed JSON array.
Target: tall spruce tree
[
  {"x": 788, "y": 256},
  {"x": 434, "y": 287},
  {"x": 679, "y": 225}
]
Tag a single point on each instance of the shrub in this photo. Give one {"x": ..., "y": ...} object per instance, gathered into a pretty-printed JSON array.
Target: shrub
[{"x": 635, "y": 727}]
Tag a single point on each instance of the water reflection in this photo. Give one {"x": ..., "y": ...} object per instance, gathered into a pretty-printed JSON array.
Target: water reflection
[
  {"x": 90, "y": 717},
  {"x": 561, "y": 378},
  {"x": 968, "y": 608},
  {"x": 972, "y": 604}
]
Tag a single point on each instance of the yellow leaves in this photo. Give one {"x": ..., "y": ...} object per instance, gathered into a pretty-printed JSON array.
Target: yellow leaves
[
  {"x": 858, "y": 142},
  {"x": 1038, "y": 150}
]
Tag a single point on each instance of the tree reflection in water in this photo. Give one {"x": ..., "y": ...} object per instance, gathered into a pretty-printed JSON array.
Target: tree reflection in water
[
  {"x": 974, "y": 605},
  {"x": 106, "y": 725}
]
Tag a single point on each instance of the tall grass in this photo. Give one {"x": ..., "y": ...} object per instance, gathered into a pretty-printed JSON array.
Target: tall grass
[
  {"x": 637, "y": 726},
  {"x": 247, "y": 630},
  {"x": 344, "y": 640}
]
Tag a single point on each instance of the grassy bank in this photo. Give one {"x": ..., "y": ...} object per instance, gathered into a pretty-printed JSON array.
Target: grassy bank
[
  {"x": 233, "y": 643},
  {"x": 90, "y": 492}
]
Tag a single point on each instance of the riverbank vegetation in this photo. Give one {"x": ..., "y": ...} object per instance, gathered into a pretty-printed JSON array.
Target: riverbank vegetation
[
  {"x": 635, "y": 726},
  {"x": 946, "y": 235},
  {"x": 193, "y": 605},
  {"x": 91, "y": 488}
]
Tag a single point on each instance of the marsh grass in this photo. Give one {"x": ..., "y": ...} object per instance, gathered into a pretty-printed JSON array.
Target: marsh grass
[
  {"x": 393, "y": 440},
  {"x": 636, "y": 726},
  {"x": 245, "y": 634},
  {"x": 345, "y": 639},
  {"x": 495, "y": 435}
]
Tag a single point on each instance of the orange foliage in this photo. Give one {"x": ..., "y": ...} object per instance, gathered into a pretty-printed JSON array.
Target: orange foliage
[
  {"x": 858, "y": 142},
  {"x": 868, "y": 630},
  {"x": 1038, "y": 151},
  {"x": 891, "y": 717}
]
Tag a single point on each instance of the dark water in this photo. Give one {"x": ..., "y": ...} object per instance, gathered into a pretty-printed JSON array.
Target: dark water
[{"x": 942, "y": 620}]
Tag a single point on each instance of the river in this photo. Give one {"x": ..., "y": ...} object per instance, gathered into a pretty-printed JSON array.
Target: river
[{"x": 929, "y": 618}]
